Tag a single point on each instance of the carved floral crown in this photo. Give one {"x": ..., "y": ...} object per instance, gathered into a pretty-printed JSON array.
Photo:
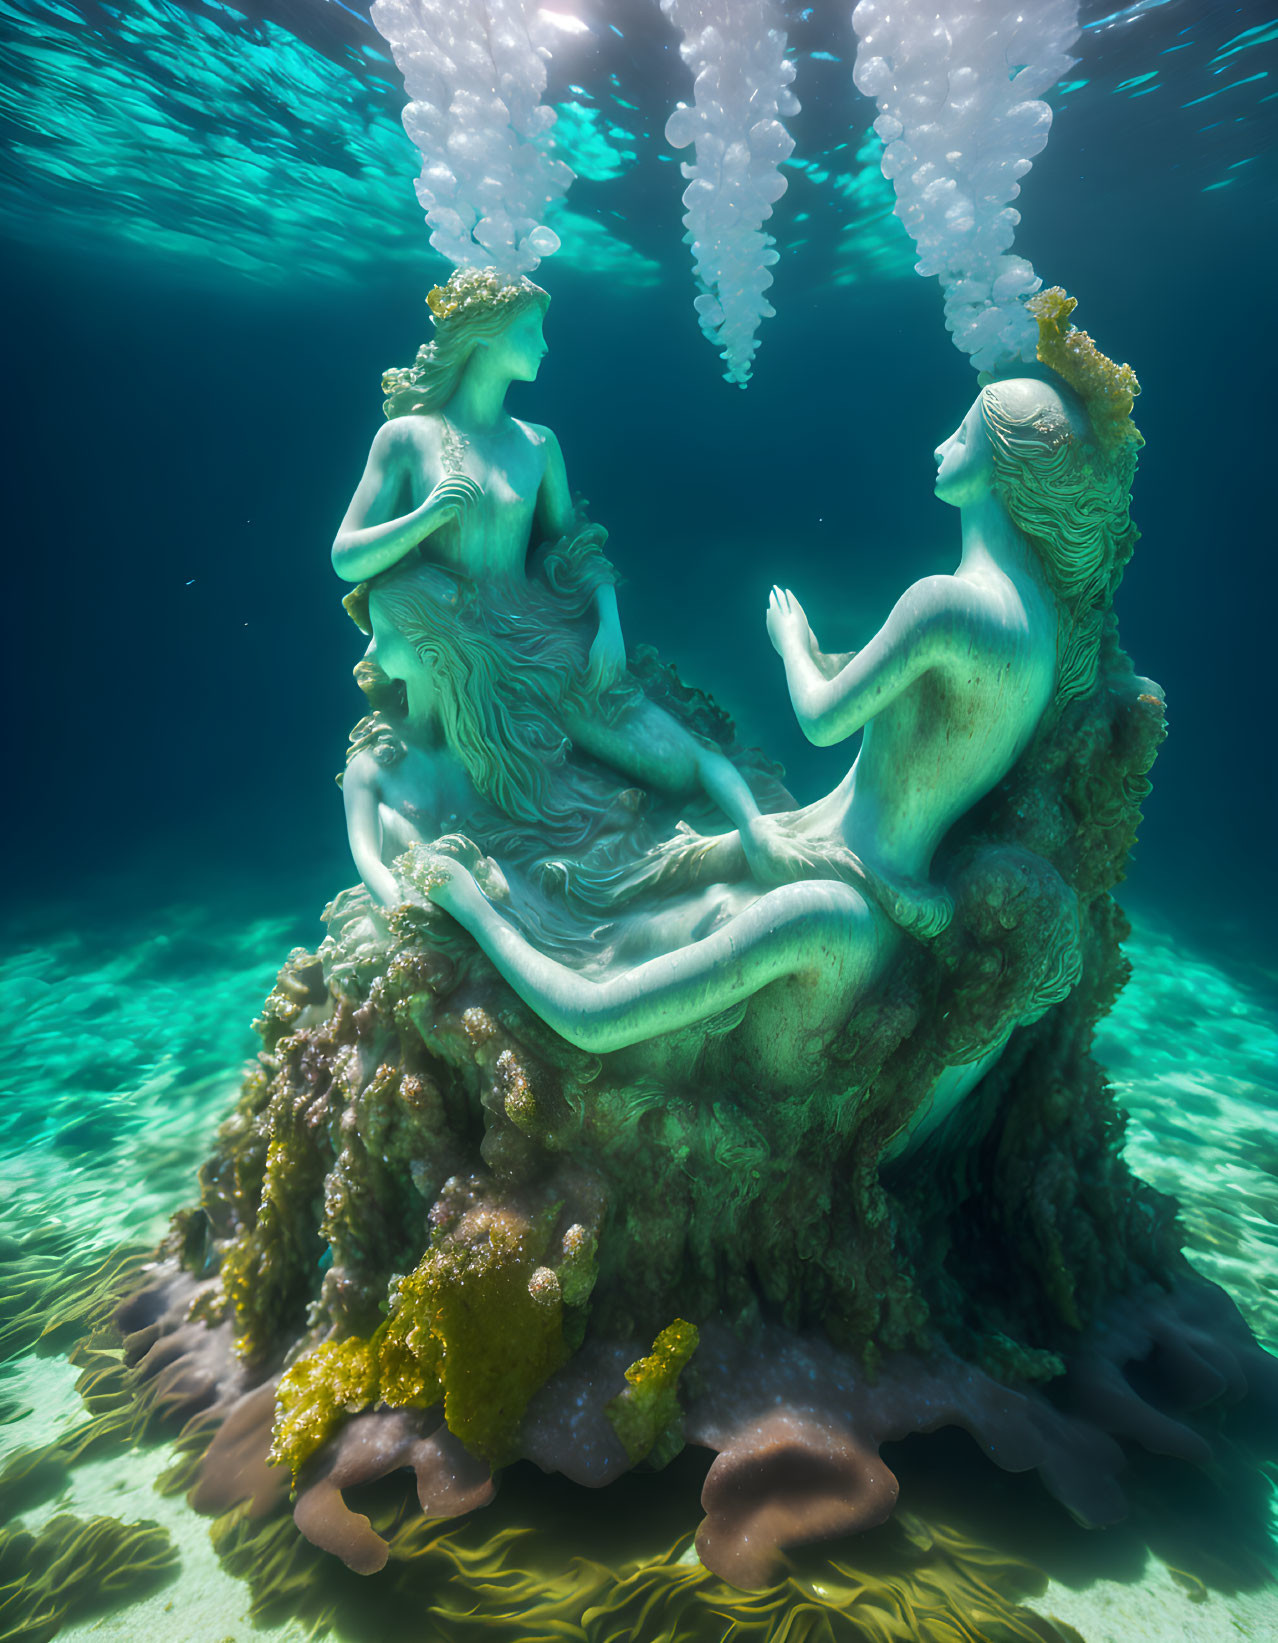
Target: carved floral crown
[{"x": 472, "y": 288}]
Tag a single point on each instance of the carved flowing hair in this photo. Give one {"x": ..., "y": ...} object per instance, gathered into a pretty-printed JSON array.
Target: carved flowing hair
[
  {"x": 502, "y": 677},
  {"x": 1070, "y": 494},
  {"x": 508, "y": 754},
  {"x": 476, "y": 305}
]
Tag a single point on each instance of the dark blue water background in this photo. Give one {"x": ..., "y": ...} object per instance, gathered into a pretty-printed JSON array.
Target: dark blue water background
[{"x": 183, "y": 440}]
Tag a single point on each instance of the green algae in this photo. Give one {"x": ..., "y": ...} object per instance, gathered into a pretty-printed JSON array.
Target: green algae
[
  {"x": 646, "y": 1416},
  {"x": 326, "y": 1384},
  {"x": 75, "y": 1564},
  {"x": 49, "y": 1291},
  {"x": 498, "y": 1317},
  {"x": 532, "y": 1568},
  {"x": 73, "y": 1322}
]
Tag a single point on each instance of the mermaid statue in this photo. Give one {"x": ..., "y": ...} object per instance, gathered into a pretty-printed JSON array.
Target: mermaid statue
[
  {"x": 497, "y": 660},
  {"x": 476, "y": 626},
  {"x": 597, "y": 1127}
]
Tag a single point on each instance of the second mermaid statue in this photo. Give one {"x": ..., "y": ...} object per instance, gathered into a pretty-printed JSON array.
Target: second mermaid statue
[{"x": 493, "y": 608}]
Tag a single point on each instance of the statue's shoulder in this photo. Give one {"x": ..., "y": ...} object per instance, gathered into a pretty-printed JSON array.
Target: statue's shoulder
[
  {"x": 948, "y": 592},
  {"x": 537, "y": 434},
  {"x": 417, "y": 431},
  {"x": 954, "y": 613},
  {"x": 933, "y": 594},
  {"x": 944, "y": 610}
]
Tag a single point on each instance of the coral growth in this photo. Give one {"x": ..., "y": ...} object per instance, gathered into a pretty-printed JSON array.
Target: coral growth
[{"x": 1108, "y": 390}]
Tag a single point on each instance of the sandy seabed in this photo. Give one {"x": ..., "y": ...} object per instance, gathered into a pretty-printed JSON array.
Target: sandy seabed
[{"x": 129, "y": 1055}]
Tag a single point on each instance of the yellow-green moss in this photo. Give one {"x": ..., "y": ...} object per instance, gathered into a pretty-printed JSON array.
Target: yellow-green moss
[
  {"x": 646, "y": 1416},
  {"x": 499, "y": 1319},
  {"x": 1108, "y": 390},
  {"x": 316, "y": 1394},
  {"x": 478, "y": 1324},
  {"x": 408, "y": 1353},
  {"x": 397, "y": 1365}
]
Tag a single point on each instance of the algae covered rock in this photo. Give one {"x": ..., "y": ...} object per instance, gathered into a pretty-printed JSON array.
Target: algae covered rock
[
  {"x": 428, "y": 1203},
  {"x": 610, "y": 1145}
]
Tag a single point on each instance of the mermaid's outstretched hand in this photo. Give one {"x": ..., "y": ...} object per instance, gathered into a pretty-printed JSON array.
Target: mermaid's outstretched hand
[{"x": 788, "y": 625}]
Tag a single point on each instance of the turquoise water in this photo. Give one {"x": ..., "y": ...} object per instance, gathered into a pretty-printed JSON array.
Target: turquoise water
[
  {"x": 212, "y": 251},
  {"x": 271, "y": 147}
]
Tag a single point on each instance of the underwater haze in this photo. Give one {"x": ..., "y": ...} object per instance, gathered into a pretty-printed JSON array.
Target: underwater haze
[{"x": 212, "y": 252}]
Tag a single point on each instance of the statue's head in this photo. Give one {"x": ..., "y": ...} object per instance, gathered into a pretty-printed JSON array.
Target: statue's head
[
  {"x": 1020, "y": 420},
  {"x": 478, "y": 310},
  {"x": 1035, "y": 445}
]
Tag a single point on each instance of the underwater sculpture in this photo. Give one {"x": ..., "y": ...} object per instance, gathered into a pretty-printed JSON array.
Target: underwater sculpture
[
  {"x": 439, "y": 1234},
  {"x": 507, "y": 657},
  {"x": 948, "y": 693}
]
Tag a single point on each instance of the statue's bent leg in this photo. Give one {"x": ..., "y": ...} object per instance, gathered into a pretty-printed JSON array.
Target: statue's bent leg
[
  {"x": 642, "y": 742},
  {"x": 824, "y": 933},
  {"x": 647, "y": 744}
]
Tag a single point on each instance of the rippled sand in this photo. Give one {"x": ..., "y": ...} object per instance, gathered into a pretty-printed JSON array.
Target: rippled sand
[{"x": 127, "y": 1056}]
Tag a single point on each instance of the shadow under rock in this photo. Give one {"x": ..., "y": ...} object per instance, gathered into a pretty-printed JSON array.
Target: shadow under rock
[{"x": 1210, "y": 1525}]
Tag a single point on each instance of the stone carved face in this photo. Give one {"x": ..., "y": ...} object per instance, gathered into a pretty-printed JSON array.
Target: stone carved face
[
  {"x": 965, "y": 461},
  {"x": 519, "y": 349}
]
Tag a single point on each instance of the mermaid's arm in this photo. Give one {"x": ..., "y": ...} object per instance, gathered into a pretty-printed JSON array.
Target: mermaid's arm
[
  {"x": 723, "y": 782},
  {"x": 823, "y": 930},
  {"x": 371, "y": 538},
  {"x": 609, "y": 616},
  {"x": 364, "y": 829},
  {"x": 556, "y": 518},
  {"x": 555, "y": 515},
  {"x": 913, "y": 640}
]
